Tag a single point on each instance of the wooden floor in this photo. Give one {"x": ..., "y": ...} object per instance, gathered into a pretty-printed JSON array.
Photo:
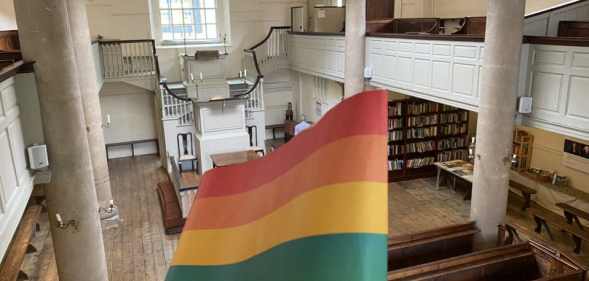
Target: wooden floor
[{"x": 138, "y": 250}]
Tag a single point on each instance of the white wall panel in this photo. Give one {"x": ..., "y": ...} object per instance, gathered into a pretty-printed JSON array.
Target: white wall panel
[
  {"x": 321, "y": 56},
  {"x": 15, "y": 181},
  {"x": 558, "y": 79},
  {"x": 443, "y": 71}
]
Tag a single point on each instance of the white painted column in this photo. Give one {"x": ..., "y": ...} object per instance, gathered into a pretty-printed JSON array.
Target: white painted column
[
  {"x": 90, "y": 97},
  {"x": 503, "y": 41},
  {"x": 46, "y": 38},
  {"x": 355, "y": 47}
]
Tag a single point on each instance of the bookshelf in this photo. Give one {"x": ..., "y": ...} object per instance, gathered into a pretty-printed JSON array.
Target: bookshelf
[
  {"x": 522, "y": 148},
  {"x": 422, "y": 133}
]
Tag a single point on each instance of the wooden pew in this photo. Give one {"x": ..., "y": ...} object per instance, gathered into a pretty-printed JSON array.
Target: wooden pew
[
  {"x": 545, "y": 219},
  {"x": 10, "y": 269},
  {"x": 419, "y": 248},
  {"x": 513, "y": 262}
]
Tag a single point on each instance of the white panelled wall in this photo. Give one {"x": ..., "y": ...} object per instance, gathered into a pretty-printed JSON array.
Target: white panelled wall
[
  {"x": 558, "y": 79},
  {"x": 16, "y": 182},
  {"x": 449, "y": 72},
  {"x": 442, "y": 71}
]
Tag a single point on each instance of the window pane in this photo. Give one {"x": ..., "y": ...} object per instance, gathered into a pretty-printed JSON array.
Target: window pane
[
  {"x": 188, "y": 4},
  {"x": 211, "y": 16},
  {"x": 164, "y": 4},
  {"x": 166, "y": 17},
  {"x": 189, "y": 17},
  {"x": 177, "y": 4},
  {"x": 212, "y": 31},
  {"x": 201, "y": 34},
  {"x": 177, "y": 17},
  {"x": 210, "y": 4},
  {"x": 167, "y": 32},
  {"x": 179, "y": 32}
]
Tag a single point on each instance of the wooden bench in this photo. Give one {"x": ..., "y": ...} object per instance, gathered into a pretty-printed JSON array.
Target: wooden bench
[
  {"x": 572, "y": 214},
  {"x": 10, "y": 269},
  {"x": 173, "y": 220},
  {"x": 513, "y": 262},
  {"x": 132, "y": 145},
  {"x": 544, "y": 218},
  {"x": 419, "y": 248},
  {"x": 527, "y": 193}
]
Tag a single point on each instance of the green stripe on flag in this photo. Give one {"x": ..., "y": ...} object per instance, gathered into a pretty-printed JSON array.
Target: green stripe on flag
[{"x": 338, "y": 257}]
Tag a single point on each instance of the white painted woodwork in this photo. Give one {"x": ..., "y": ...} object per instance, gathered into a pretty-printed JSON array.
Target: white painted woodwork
[
  {"x": 16, "y": 182},
  {"x": 443, "y": 71},
  {"x": 220, "y": 128},
  {"x": 547, "y": 24},
  {"x": 321, "y": 56},
  {"x": 558, "y": 79}
]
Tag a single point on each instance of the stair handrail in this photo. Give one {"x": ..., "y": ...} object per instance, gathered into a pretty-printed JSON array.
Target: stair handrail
[
  {"x": 268, "y": 36},
  {"x": 252, "y": 51}
]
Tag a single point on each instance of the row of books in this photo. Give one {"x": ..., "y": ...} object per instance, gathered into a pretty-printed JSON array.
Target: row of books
[
  {"x": 446, "y": 108},
  {"x": 396, "y": 150},
  {"x": 422, "y": 133},
  {"x": 421, "y": 121},
  {"x": 452, "y": 143},
  {"x": 454, "y": 117},
  {"x": 460, "y": 154},
  {"x": 454, "y": 129},
  {"x": 420, "y": 162},
  {"x": 396, "y": 123},
  {"x": 396, "y": 165},
  {"x": 422, "y": 108},
  {"x": 395, "y": 109},
  {"x": 421, "y": 147},
  {"x": 395, "y": 135}
]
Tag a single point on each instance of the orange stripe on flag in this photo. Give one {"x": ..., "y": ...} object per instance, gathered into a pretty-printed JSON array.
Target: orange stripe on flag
[{"x": 245, "y": 207}]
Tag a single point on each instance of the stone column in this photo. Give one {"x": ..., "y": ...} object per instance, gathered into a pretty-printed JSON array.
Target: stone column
[
  {"x": 78, "y": 22},
  {"x": 355, "y": 47},
  {"x": 46, "y": 38},
  {"x": 501, "y": 62}
]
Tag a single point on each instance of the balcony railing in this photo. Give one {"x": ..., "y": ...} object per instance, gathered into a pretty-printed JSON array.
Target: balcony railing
[{"x": 128, "y": 59}]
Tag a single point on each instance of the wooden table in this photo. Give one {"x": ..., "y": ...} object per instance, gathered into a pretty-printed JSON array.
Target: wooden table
[
  {"x": 232, "y": 158},
  {"x": 458, "y": 169}
]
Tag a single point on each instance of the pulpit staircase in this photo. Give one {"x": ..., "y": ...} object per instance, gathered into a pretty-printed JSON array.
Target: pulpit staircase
[{"x": 136, "y": 62}]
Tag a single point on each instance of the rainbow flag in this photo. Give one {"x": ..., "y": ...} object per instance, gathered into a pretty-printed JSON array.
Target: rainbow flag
[{"x": 314, "y": 210}]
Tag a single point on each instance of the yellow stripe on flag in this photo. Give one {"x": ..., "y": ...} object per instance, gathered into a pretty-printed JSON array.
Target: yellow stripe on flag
[{"x": 336, "y": 209}]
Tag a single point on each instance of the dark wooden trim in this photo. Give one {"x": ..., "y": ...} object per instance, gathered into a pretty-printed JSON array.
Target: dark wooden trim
[
  {"x": 15, "y": 68},
  {"x": 268, "y": 36},
  {"x": 468, "y": 38},
  {"x": 554, "y": 8},
  {"x": 126, "y": 41},
  {"x": 319, "y": 33},
  {"x": 560, "y": 41}
]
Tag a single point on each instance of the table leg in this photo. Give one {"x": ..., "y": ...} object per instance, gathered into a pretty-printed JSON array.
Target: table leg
[
  {"x": 438, "y": 179},
  {"x": 454, "y": 183}
]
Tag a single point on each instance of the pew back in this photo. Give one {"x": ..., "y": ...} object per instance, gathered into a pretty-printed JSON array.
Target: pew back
[{"x": 419, "y": 248}]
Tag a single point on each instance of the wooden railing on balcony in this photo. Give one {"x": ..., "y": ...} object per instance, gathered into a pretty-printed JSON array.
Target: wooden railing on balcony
[{"x": 129, "y": 59}]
